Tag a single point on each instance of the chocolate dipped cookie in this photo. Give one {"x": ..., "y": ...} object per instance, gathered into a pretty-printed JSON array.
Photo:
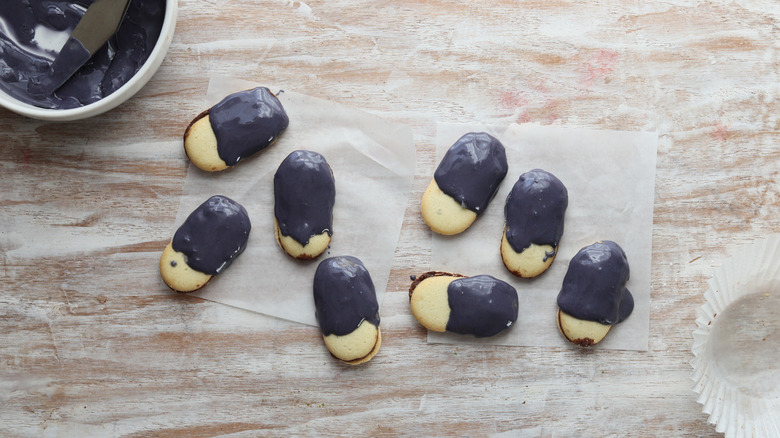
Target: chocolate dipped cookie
[
  {"x": 533, "y": 213},
  {"x": 208, "y": 241},
  {"x": 304, "y": 195},
  {"x": 480, "y": 305},
  {"x": 464, "y": 183},
  {"x": 239, "y": 126},
  {"x": 347, "y": 309},
  {"x": 594, "y": 296}
]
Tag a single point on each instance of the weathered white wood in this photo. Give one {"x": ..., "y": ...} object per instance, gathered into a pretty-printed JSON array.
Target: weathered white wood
[{"x": 92, "y": 344}]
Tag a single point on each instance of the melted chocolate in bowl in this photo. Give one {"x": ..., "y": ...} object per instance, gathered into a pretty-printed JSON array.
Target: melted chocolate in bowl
[{"x": 33, "y": 32}]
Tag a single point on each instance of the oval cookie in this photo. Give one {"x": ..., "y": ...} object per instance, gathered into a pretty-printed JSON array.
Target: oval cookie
[
  {"x": 347, "y": 309},
  {"x": 594, "y": 296},
  {"x": 481, "y": 305},
  {"x": 208, "y": 241},
  {"x": 304, "y": 195},
  {"x": 239, "y": 126},
  {"x": 464, "y": 183},
  {"x": 534, "y": 212}
]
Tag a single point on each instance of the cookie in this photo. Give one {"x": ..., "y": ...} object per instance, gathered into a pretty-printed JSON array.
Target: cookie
[
  {"x": 304, "y": 195},
  {"x": 594, "y": 296},
  {"x": 347, "y": 309},
  {"x": 464, "y": 183},
  {"x": 533, "y": 213},
  {"x": 481, "y": 305},
  {"x": 239, "y": 126},
  {"x": 208, "y": 241}
]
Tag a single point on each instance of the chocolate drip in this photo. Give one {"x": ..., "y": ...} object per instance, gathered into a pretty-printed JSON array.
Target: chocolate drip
[
  {"x": 594, "y": 288},
  {"x": 344, "y": 295},
  {"x": 25, "y": 67},
  {"x": 534, "y": 211},
  {"x": 304, "y": 195},
  {"x": 246, "y": 123},
  {"x": 481, "y": 306},
  {"x": 472, "y": 169},
  {"x": 213, "y": 235}
]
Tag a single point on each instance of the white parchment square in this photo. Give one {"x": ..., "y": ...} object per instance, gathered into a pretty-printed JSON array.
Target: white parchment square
[
  {"x": 373, "y": 165},
  {"x": 610, "y": 177}
]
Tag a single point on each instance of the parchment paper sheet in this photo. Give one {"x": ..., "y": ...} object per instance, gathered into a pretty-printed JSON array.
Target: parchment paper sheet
[
  {"x": 610, "y": 177},
  {"x": 373, "y": 165}
]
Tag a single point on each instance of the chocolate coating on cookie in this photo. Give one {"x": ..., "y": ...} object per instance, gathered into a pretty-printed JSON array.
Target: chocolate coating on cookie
[
  {"x": 213, "y": 235},
  {"x": 481, "y": 306},
  {"x": 594, "y": 288},
  {"x": 247, "y": 122},
  {"x": 472, "y": 169},
  {"x": 304, "y": 195},
  {"x": 344, "y": 295},
  {"x": 534, "y": 210}
]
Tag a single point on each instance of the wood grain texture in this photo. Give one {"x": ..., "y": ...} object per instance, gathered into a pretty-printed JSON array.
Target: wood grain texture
[{"x": 93, "y": 344}]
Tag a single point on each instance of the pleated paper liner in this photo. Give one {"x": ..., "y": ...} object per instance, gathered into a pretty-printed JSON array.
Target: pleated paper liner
[{"x": 737, "y": 357}]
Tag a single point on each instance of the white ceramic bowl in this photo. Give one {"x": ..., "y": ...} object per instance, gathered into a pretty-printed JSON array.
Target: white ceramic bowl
[{"x": 122, "y": 94}]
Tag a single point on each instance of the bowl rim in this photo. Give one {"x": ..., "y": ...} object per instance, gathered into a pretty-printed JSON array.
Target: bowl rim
[{"x": 125, "y": 92}]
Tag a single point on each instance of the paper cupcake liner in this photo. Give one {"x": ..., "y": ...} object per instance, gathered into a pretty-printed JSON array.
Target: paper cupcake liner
[{"x": 736, "y": 354}]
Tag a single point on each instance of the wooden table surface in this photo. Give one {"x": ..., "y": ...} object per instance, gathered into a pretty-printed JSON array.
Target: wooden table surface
[{"x": 93, "y": 344}]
